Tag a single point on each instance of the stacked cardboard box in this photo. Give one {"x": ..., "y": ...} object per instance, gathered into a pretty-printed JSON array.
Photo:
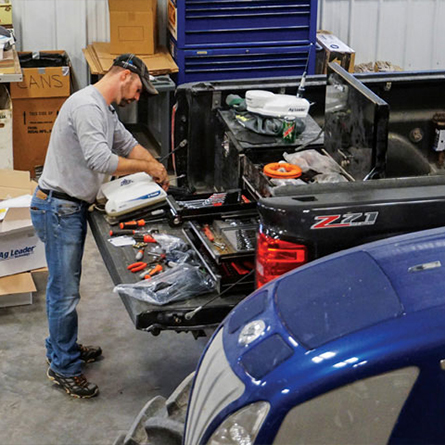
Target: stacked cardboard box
[
  {"x": 133, "y": 26},
  {"x": 100, "y": 59},
  {"x": 6, "y": 14},
  {"x": 36, "y": 101},
  {"x": 21, "y": 251}
]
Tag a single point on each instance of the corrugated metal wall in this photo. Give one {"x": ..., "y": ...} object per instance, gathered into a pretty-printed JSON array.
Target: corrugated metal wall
[
  {"x": 407, "y": 33},
  {"x": 53, "y": 24}
]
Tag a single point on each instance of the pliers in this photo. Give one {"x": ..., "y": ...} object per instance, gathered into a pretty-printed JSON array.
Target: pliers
[{"x": 138, "y": 266}]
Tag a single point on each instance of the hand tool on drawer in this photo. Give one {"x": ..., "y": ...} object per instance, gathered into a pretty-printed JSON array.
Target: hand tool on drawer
[
  {"x": 140, "y": 254},
  {"x": 144, "y": 237},
  {"x": 208, "y": 233},
  {"x": 157, "y": 269},
  {"x": 140, "y": 222},
  {"x": 137, "y": 267},
  {"x": 132, "y": 224},
  {"x": 138, "y": 236},
  {"x": 122, "y": 232}
]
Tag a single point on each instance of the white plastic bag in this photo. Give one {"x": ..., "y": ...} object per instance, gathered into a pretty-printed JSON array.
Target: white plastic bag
[
  {"x": 329, "y": 177},
  {"x": 182, "y": 282},
  {"x": 312, "y": 160}
]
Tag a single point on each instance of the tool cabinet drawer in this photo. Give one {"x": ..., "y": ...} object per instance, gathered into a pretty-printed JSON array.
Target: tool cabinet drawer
[
  {"x": 241, "y": 63},
  {"x": 219, "y": 23}
]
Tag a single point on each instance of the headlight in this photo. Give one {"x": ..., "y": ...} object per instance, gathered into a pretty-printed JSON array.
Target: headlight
[
  {"x": 251, "y": 332},
  {"x": 241, "y": 428}
]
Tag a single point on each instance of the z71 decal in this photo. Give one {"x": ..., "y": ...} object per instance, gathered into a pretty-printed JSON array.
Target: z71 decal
[{"x": 346, "y": 220}]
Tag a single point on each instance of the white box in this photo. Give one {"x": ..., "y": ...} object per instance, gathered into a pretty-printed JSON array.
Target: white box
[{"x": 20, "y": 248}]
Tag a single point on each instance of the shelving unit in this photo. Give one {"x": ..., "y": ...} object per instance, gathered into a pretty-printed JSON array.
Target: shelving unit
[{"x": 10, "y": 70}]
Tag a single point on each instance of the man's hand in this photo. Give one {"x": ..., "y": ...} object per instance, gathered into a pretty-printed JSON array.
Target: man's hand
[
  {"x": 139, "y": 160},
  {"x": 159, "y": 174}
]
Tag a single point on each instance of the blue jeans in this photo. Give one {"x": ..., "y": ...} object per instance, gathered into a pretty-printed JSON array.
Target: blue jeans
[{"x": 62, "y": 226}]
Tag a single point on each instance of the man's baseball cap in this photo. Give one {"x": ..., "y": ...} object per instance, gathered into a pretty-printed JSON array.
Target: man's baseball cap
[{"x": 137, "y": 66}]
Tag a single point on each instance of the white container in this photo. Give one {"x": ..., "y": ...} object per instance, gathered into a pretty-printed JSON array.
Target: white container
[{"x": 20, "y": 248}]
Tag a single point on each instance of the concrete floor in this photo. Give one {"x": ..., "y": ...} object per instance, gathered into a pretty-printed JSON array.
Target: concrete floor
[{"x": 135, "y": 367}]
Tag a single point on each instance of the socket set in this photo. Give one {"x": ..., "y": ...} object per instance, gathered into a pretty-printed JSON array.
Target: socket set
[
  {"x": 227, "y": 239},
  {"x": 205, "y": 205},
  {"x": 228, "y": 270}
]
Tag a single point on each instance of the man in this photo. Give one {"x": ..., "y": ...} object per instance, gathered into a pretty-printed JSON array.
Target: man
[{"x": 87, "y": 142}]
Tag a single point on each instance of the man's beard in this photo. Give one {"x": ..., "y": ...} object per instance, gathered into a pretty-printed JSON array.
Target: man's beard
[{"x": 125, "y": 102}]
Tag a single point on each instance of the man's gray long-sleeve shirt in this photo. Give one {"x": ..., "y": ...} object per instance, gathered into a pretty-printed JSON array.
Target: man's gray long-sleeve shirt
[{"x": 85, "y": 143}]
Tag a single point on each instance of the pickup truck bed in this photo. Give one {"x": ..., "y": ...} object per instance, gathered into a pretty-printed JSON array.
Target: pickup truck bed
[{"x": 324, "y": 217}]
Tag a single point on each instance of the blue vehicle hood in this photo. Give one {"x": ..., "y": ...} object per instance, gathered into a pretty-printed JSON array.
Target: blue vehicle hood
[{"x": 344, "y": 317}]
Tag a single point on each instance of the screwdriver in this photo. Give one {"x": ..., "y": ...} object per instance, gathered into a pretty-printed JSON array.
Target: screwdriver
[
  {"x": 138, "y": 236},
  {"x": 144, "y": 237},
  {"x": 140, "y": 254},
  {"x": 141, "y": 222},
  {"x": 131, "y": 224},
  {"x": 154, "y": 271},
  {"x": 208, "y": 233},
  {"x": 122, "y": 232}
]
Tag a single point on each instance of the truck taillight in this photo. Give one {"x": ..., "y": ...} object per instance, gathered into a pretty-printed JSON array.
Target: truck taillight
[{"x": 276, "y": 257}]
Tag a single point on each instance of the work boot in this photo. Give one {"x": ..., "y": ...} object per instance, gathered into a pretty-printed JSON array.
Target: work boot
[
  {"x": 88, "y": 354},
  {"x": 77, "y": 386}
]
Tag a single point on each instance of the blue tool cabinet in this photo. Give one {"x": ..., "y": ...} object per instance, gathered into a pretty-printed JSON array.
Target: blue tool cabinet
[
  {"x": 241, "y": 63},
  {"x": 230, "y": 39}
]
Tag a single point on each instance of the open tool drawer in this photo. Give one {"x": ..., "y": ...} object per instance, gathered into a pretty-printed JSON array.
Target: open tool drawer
[
  {"x": 261, "y": 186},
  {"x": 207, "y": 205},
  {"x": 226, "y": 246}
]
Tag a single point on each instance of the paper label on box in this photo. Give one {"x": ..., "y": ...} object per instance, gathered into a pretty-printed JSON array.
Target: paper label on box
[
  {"x": 21, "y": 252},
  {"x": 333, "y": 43}
]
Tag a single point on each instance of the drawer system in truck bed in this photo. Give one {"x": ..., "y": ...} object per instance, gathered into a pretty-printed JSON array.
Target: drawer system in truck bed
[{"x": 240, "y": 221}]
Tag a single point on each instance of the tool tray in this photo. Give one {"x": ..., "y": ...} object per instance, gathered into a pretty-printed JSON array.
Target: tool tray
[
  {"x": 236, "y": 202},
  {"x": 231, "y": 264},
  {"x": 232, "y": 240}
]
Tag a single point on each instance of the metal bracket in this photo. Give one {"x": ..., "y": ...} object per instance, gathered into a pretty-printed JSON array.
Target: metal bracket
[
  {"x": 216, "y": 100},
  {"x": 16, "y": 77}
]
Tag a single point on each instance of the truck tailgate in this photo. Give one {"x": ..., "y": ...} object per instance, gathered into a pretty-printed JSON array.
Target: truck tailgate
[
  {"x": 150, "y": 317},
  {"x": 331, "y": 217}
]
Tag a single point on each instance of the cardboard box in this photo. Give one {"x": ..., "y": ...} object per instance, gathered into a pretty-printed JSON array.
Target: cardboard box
[
  {"x": 159, "y": 63},
  {"x": 6, "y": 160},
  {"x": 133, "y": 26},
  {"x": 16, "y": 290},
  {"x": 14, "y": 183},
  {"x": 20, "y": 248},
  {"x": 36, "y": 101},
  {"x": 5, "y": 14},
  {"x": 333, "y": 50}
]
